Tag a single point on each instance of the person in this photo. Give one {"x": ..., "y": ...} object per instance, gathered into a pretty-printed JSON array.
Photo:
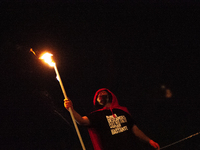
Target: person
[{"x": 110, "y": 126}]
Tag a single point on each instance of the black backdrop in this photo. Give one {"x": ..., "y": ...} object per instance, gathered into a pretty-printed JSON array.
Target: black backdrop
[{"x": 130, "y": 48}]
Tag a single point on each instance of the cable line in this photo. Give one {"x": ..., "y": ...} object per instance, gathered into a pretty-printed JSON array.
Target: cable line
[{"x": 180, "y": 140}]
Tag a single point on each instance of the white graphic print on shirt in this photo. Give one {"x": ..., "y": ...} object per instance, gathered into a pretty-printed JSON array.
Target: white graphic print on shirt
[{"x": 115, "y": 124}]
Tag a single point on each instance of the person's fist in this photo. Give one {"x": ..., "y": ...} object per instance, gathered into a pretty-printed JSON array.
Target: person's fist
[
  {"x": 68, "y": 104},
  {"x": 154, "y": 144}
]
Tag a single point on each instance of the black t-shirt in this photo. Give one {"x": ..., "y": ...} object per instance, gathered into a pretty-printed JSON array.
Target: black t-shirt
[{"x": 114, "y": 132}]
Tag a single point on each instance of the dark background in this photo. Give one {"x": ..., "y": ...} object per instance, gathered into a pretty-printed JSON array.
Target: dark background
[{"x": 130, "y": 48}]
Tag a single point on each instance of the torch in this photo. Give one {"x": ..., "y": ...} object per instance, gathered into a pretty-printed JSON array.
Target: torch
[{"x": 47, "y": 58}]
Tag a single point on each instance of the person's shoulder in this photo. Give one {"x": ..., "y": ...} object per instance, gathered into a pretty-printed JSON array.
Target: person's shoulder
[{"x": 117, "y": 110}]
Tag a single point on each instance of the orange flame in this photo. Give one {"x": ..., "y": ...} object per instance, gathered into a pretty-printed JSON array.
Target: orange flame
[
  {"x": 31, "y": 50},
  {"x": 47, "y": 58}
]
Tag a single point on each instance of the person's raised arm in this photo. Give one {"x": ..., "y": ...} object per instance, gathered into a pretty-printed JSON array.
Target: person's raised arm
[
  {"x": 79, "y": 119},
  {"x": 138, "y": 133}
]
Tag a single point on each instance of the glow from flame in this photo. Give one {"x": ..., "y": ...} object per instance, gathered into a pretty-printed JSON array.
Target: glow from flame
[{"x": 47, "y": 58}]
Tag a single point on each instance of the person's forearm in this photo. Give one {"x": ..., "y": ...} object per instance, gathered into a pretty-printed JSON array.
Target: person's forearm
[
  {"x": 79, "y": 119},
  {"x": 138, "y": 133},
  {"x": 77, "y": 116}
]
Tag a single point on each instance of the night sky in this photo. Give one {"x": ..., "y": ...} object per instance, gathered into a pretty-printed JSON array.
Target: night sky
[{"x": 133, "y": 49}]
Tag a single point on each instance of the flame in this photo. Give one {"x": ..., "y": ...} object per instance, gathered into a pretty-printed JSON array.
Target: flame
[
  {"x": 58, "y": 78},
  {"x": 47, "y": 58},
  {"x": 31, "y": 50}
]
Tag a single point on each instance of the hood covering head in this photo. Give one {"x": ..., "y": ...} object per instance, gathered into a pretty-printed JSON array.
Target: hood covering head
[{"x": 114, "y": 101}]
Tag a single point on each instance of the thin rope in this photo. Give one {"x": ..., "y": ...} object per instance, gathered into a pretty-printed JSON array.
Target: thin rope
[
  {"x": 62, "y": 118},
  {"x": 180, "y": 140}
]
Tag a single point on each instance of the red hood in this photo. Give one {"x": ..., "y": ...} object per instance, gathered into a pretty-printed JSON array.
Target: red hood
[{"x": 114, "y": 103}]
